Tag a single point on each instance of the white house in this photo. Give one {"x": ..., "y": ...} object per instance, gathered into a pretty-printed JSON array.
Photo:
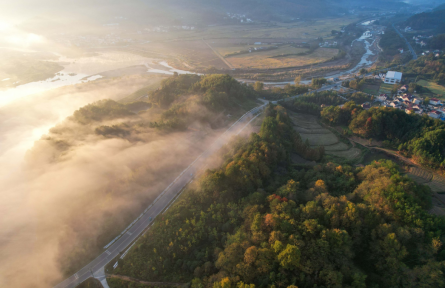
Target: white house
[
  {"x": 382, "y": 98},
  {"x": 434, "y": 101},
  {"x": 435, "y": 114},
  {"x": 393, "y": 77}
]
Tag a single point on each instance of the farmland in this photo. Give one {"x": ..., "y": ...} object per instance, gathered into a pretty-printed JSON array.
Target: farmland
[
  {"x": 269, "y": 59},
  {"x": 303, "y": 29},
  {"x": 309, "y": 129},
  {"x": 371, "y": 89},
  {"x": 435, "y": 88},
  {"x": 206, "y": 47},
  {"x": 435, "y": 182},
  {"x": 386, "y": 88}
]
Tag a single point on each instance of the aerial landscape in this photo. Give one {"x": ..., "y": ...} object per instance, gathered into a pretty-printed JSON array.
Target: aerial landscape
[{"x": 222, "y": 144}]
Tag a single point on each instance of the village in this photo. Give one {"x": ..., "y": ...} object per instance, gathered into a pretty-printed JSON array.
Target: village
[{"x": 403, "y": 100}]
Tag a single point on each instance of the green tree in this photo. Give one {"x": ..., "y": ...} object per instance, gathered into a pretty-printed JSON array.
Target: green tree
[
  {"x": 289, "y": 258},
  {"x": 258, "y": 86}
]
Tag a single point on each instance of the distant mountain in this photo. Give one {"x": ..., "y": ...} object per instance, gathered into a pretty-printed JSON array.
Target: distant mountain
[{"x": 434, "y": 20}]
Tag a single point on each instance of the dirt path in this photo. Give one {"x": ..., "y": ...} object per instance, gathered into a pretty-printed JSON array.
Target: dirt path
[
  {"x": 419, "y": 174},
  {"x": 219, "y": 55}
]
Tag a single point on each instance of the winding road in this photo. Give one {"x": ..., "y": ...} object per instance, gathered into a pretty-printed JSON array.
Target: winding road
[
  {"x": 131, "y": 234},
  {"x": 407, "y": 43},
  {"x": 161, "y": 202}
]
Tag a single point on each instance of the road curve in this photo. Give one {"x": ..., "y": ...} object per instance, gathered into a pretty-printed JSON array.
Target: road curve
[
  {"x": 164, "y": 199},
  {"x": 407, "y": 43},
  {"x": 159, "y": 204}
]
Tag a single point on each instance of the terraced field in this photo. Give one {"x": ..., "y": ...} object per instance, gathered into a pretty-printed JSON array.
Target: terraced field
[
  {"x": 420, "y": 175},
  {"x": 437, "y": 184},
  {"x": 423, "y": 176},
  {"x": 309, "y": 129}
]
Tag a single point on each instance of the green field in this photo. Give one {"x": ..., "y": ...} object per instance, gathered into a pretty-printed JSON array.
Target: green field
[
  {"x": 437, "y": 89},
  {"x": 309, "y": 129},
  {"x": 385, "y": 88},
  {"x": 371, "y": 89}
]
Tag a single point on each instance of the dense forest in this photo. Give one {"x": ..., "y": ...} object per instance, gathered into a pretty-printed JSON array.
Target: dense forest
[
  {"x": 312, "y": 103},
  {"x": 427, "y": 67},
  {"x": 438, "y": 42},
  {"x": 434, "y": 20},
  {"x": 139, "y": 146},
  {"x": 258, "y": 222},
  {"x": 419, "y": 137},
  {"x": 390, "y": 43}
]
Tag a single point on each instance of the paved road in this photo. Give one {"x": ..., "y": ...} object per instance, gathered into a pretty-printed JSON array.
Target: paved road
[
  {"x": 407, "y": 43},
  {"x": 159, "y": 204},
  {"x": 164, "y": 199}
]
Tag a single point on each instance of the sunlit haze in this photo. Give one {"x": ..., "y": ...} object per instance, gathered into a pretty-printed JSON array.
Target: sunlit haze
[{"x": 112, "y": 112}]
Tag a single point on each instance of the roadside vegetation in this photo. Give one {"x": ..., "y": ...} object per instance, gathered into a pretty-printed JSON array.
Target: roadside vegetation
[
  {"x": 414, "y": 136},
  {"x": 258, "y": 222},
  {"x": 140, "y": 146}
]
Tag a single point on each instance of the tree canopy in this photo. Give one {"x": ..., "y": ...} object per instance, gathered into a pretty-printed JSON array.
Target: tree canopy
[{"x": 258, "y": 222}]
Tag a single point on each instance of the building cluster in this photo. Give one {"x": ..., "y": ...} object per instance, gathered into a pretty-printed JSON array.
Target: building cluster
[
  {"x": 328, "y": 44},
  {"x": 411, "y": 104},
  {"x": 435, "y": 52},
  {"x": 421, "y": 40},
  {"x": 253, "y": 49},
  {"x": 240, "y": 17}
]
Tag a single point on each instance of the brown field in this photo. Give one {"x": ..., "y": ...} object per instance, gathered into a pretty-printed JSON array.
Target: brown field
[
  {"x": 205, "y": 47},
  {"x": 305, "y": 29},
  {"x": 263, "y": 60},
  {"x": 437, "y": 184},
  {"x": 423, "y": 176},
  {"x": 340, "y": 146},
  {"x": 320, "y": 139},
  {"x": 348, "y": 154},
  {"x": 309, "y": 129},
  {"x": 182, "y": 54},
  {"x": 420, "y": 175}
]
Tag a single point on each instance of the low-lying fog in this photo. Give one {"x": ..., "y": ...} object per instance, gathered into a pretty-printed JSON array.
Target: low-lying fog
[{"x": 39, "y": 203}]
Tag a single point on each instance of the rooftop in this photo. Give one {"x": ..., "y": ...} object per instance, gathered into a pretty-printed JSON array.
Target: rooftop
[{"x": 395, "y": 75}]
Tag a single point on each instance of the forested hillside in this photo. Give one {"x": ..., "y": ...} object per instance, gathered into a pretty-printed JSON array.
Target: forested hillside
[
  {"x": 427, "y": 67},
  {"x": 419, "y": 137},
  {"x": 124, "y": 155},
  {"x": 258, "y": 222},
  {"x": 434, "y": 20},
  {"x": 391, "y": 42}
]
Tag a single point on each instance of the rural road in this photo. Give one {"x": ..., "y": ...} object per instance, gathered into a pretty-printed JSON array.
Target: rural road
[
  {"x": 163, "y": 200},
  {"x": 407, "y": 43},
  {"x": 159, "y": 204}
]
